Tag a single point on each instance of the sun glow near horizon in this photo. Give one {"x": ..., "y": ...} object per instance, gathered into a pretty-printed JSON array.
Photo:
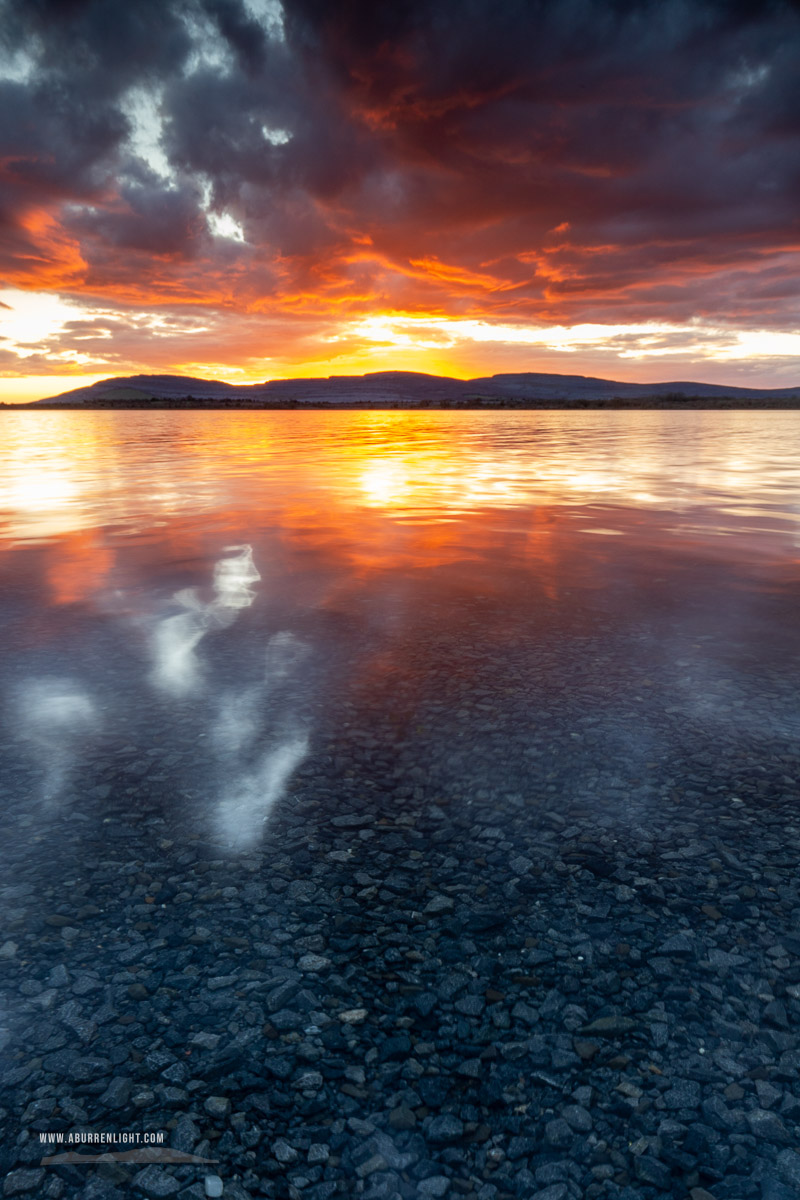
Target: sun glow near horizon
[{"x": 436, "y": 344}]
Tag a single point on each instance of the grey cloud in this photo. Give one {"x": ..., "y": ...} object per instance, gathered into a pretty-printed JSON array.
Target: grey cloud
[
  {"x": 155, "y": 219},
  {"x": 464, "y": 130}
]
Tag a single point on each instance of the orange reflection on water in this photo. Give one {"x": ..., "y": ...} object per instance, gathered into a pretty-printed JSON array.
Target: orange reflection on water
[
  {"x": 79, "y": 567},
  {"x": 367, "y": 493}
]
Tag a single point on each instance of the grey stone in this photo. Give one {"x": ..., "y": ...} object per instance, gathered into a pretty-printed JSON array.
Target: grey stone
[
  {"x": 217, "y": 1106},
  {"x": 185, "y": 1135},
  {"x": 558, "y": 1134},
  {"x": 684, "y": 1093},
  {"x": 205, "y": 1040},
  {"x": 96, "y": 1189},
  {"x": 280, "y": 996},
  {"x": 313, "y": 963},
  {"x": 156, "y": 1182},
  {"x": 577, "y": 1117},
  {"x": 24, "y": 1180},
  {"x": 434, "y": 1185},
  {"x": 650, "y": 1170},
  {"x": 472, "y": 1068},
  {"x": 117, "y": 1093},
  {"x": 555, "y": 1191},
  {"x": 680, "y": 945},
  {"x": 768, "y": 1126},
  {"x": 402, "y": 1118},
  {"x": 611, "y": 1026},
  {"x": 87, "y": 1070},
  {"x": 443, "y": 1129},
  {"x": 788, "y": 1165},
  {"x": 376, "y": 1162}
]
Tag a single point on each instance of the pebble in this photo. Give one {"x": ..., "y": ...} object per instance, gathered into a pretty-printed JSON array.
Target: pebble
[
  {"x": 353, "y": 1016},
  {"x": 217, "y": 1106},
  {"x": 156, "y": 1182}
]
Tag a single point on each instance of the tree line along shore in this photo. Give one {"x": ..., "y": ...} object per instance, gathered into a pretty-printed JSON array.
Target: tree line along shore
[{"x": 666, "y": 401}]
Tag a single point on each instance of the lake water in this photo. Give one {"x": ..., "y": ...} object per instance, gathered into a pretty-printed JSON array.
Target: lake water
[
  {"x": 446, "y": 607},
  {"x": 378, "y": 787}
]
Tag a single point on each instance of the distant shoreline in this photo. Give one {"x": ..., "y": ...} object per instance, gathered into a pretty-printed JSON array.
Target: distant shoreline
[{"x": 479, "y": 404}]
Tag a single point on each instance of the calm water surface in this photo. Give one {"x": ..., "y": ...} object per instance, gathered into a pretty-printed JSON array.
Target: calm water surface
[{"x": 457, "y": 606}]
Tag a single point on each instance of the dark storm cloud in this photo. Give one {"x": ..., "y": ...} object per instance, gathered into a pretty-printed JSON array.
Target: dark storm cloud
[
  {"x": 156, "y": 220},
  {"x": 405, "y": 152}
]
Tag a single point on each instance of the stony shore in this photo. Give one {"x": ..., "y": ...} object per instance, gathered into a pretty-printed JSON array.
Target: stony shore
[{"x": 469, "y": 957}]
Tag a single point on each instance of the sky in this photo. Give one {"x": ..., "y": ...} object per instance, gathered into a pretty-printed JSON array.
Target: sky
[{"x": 250, "y": 189}]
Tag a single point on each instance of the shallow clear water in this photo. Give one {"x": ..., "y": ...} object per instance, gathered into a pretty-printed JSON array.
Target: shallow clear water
[
  {"x": 314, "y": 722},
  {"x": 234, "y": 594}
]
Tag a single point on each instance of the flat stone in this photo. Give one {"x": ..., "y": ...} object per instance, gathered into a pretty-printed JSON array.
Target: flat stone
[
  {"x": 610, "y": 1026},
  {"x": 313, "y": 963},
  {"x": 768, "y": 1125},
  {"x": 353, "y": 1016},
  {"x": 680, "y": 945},
  {"x": 443, "y": 1129},
  {"x": 24, "y": 1180},
  {"x": 375, "y": 1163},
  {"x": 471, "y": 1068},
  {"x": 156, "y": 1182},
  {"x": 117, "y": 1093},
  {"x": 206, "y": 1041},
  {"x": 434, "y": 1185},
  {"x": 684, "y": 1093},
  {"x": 402, "y": 1117},
  {"x": 788, "y": 1164},
  {"x": 558, "y": 1134},
  {"x": 577, "y": 1117},
  {"x": 280, "y": 996},
  {"x": 650, "y": 1170}
]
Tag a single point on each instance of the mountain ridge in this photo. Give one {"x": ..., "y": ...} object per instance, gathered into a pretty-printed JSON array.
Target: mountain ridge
[{"x": 398, "y": 388}]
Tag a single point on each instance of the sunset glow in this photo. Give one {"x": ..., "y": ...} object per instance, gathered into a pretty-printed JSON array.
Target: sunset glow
[{"x": 250, "y": 190}]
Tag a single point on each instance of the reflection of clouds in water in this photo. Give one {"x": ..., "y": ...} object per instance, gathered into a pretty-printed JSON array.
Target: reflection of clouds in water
[
  {"x": 176, "y": 670},
  {"x": 285, "y": 652},
  {"x": 251, "y": 782},
  {"x": 238, "y": 720},
  {"x": 233, "y": 579},
  {"x": 249, "y": 791},
  {"x": 54, "y": 714},
  {"x": 257, "y": 732},
  {"x": 247, "y": 799}
]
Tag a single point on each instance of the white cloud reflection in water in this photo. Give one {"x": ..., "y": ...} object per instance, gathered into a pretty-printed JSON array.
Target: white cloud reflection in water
[
  {"x": 246, "y": 802},
  {"x": 55, "y": 716},
  {"x": 177, "y": 670},
  {"x": 250, "y": 788},
  {"x": 251, "y": 780}
]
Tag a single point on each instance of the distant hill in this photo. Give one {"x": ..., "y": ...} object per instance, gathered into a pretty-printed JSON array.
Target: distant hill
[{"x": 401, "y": 389}]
